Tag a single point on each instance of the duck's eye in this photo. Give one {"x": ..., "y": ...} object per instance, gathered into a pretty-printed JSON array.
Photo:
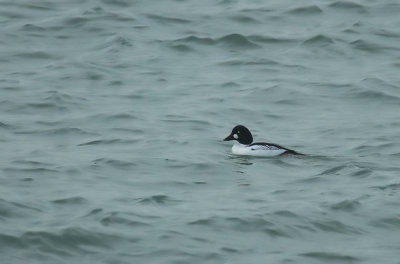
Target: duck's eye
[{"x": 238, "y": 132}]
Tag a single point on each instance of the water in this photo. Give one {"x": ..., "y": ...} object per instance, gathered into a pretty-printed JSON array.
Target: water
[{"x": 113, "y": 112}]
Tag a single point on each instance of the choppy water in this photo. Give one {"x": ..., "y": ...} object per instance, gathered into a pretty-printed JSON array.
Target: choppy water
[{"x": 113, "y": 111}]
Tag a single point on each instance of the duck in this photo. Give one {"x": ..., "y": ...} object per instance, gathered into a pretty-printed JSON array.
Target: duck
[{"x": 245, "y": 146}]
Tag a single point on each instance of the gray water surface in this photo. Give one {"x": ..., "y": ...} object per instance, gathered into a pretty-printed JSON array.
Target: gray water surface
[{"x": 113, "y": 114}]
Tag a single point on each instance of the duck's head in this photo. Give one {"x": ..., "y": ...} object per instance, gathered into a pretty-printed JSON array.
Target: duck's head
[{"x": 241, "y": 134}]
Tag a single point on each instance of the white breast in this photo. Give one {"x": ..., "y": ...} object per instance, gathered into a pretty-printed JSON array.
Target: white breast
[{"x": 256, "y": 150}]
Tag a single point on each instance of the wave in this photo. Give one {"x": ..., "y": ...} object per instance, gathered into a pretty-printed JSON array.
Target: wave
[
  {"x": 4, "y": 126},
  {"x": 115, "y": 44},
  {"x": 390, "y": 223},
  {"x": 249, "y": 224},
  {"x": 391, "y": 187},
  {"x": 87, "y": 20},
  {"x": 155, "y": 199},
  {"x": 32, "y": 28},
  {"x": 63, "y": 131},
  {"x": 330, "y": 257},
  {"x": 244, "y": 19},
  {"x": 387, "y": 33},
  {"x": 306, "y": 10},
  {"x": 112, "y": 117},
  {"x": 261, "y": 61},
  {"x": 168, "y": 20},
  {"x": 75, "y": 200},
  {"x": 185, "y": 119},
  {"x": 182, "y": 48},
  {"x": 115, "y": 218},
  {"x": 319, "y": 39},
  {"x": 108, "y": 142},
  {"x": 120, "y": 164},
  {"x": 38, "y": 170},
  {"x": 374, "y": 95},
  {"x": 355, "y": 170},
  {"x": 37, "y": 6},
  {"x": 346, "y": 205},
  {"x": 15, "y": 210},
  {"x": 51, "y": 101},
  {"x": 234, "y": 40},
  {"x": 279, "y": 95},
  {"x": 67, "y": 242},
  {"x": 196, "y": 40},
  {"x": 373, "y": 47},
  {"x": 271, "y": 40},
  {"x": 373, "y": 83},
  {"x": 336, "y": 226},
  {"x": 237, "y": 40},
  {"x": 348, "y": 6},
  {"x": 36, "y": 55},
  {"x": 31, "y": 163},
  {"x": 118, "y": 3}
]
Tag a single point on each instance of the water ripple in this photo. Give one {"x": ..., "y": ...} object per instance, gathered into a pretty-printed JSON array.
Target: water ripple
[
  {"x": 69, "y": 241},
  {"x": 41, "y": 55},
  {"x": 306, "y": 10},
  {"x": 196, "y": 40},
  {"x": 232, "y": 41},
  {"x": 119, "y": 164},
  {"x": 156, "y": 199},
  {"x": 107, "y": 142},
  {"x": 271, "y": 39},
  {"x": 75, "y": 200},
  {"x": 244, "y": 19},
  {"x": 30, "y": 171},
  {"x": 319, "y": 39},
  {"x": 346, "y": 205},
  {"x": 167, "y": 20},
  {"x": 32, "y": 28},
  {"x": 391, "y": 223},
  {"x": 4, "y": 125},
  {"x": 244, "y": 225},
  {"x": 63, "y": 131},
  {"x": 331, "y": 257},
  {"x": 356, "y": 170},
  {"x": 372, "y": 47},
  {"x": 116, "y": 218},
  {"x": 348, "y": 5},
  {"x": 117, "y": 3},
  {"x": 237, "y": 41},
  {"x": 392, "y": 186},
  {"x": 13, "y": 209},
  {"x": 337, "y": 227}
]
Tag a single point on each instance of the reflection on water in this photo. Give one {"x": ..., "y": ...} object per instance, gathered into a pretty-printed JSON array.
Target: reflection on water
[{"x": 240, "y": 160}]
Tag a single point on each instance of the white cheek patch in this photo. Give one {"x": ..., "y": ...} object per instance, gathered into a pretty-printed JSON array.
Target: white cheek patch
[{"x": 235, "y": 136}]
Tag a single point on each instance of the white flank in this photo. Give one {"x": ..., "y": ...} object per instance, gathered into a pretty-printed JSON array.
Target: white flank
[{"x": 261, "y": 151}]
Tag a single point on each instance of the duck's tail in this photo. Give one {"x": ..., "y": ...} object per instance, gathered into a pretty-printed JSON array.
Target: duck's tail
[{"x": 292, "y": 152}]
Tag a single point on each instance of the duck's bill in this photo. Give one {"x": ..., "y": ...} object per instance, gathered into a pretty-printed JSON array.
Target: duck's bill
[{"x": 230, "y": 137}]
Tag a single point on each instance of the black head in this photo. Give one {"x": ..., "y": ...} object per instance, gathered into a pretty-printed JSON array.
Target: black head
[{"x": 241, "y": 134}]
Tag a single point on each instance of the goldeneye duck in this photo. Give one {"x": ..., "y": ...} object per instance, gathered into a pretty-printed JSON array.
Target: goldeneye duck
[{"x": 245, "y": 146}]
